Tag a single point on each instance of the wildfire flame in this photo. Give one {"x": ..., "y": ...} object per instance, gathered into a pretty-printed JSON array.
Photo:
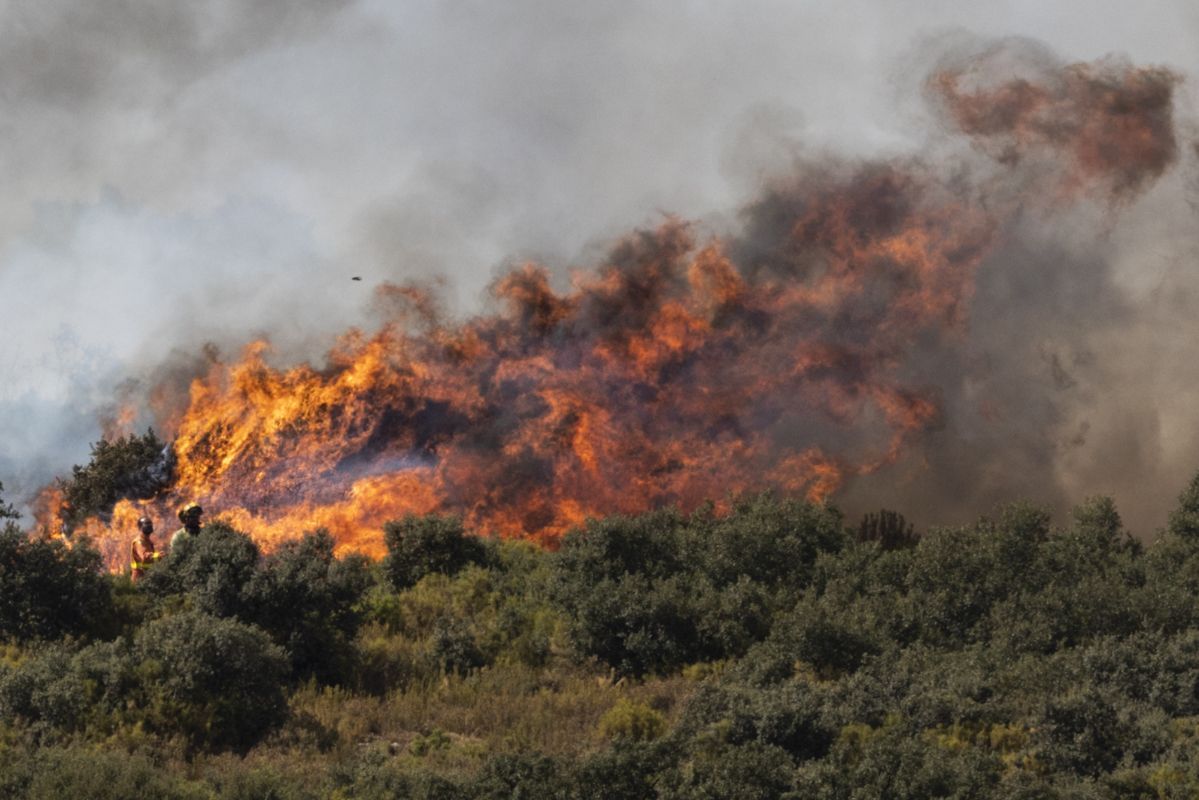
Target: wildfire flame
[{"x": 677, "y": 371}]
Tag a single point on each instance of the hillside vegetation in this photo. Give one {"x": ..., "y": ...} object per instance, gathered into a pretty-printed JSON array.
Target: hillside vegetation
[{"x": 774, "y": 651}]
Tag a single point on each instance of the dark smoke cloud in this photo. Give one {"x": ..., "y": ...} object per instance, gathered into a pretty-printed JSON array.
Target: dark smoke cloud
[
  {"x": 1057, "y": 390},
  {"x": 1105, "y": 122},
  {"x": 179, "y": 173},
  {"x": 953, "y": 315}
]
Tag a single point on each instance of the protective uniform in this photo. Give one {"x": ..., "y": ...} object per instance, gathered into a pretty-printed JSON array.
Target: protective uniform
[
  {"x": 189, "y": 515},
  {"x": 142, "y": 552}
]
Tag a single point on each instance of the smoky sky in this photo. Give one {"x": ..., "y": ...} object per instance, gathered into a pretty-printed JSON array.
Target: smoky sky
[{"x": 177, "y": 174}]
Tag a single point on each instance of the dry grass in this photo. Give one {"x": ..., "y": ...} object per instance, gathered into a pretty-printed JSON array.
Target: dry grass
[{"x": 459, "y": 720}]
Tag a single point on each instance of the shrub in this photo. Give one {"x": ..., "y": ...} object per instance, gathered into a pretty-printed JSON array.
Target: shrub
[
  {"x": 789, "y": 716},
  {"x": 97, "y": 775},
  {"x": 747, "y": 772},
  {"x": 418, "y": 546},
  {"x": 7, "y": 512},
  {"x": 385, "y": 663},
  {"x": 829, "y": 642},
  {"x": 775, "y": 543},
  {"x": 217, "y": 682},
  {"x": 1080, "y": 732},
  {"x": 375, "y": 775},
  {"x": 889, "y": 762},
  {"x": 627, "y": 770},
  {"x": 1184, "y": 520},
  {"x": 49, "y": 590},
  {"x": 530, "y": 775},
  {"x": 633, "y": 721},
  {"x": 214, "y": 569},
  {"x": 958, "y": 575},
  {"x": 306, "y": 599},
  {"x": 453, "y": 647},
  {"x": 638, "y": 626},
  {"x": 46, "y": 691},
  {"x": 655, "y": 592},
  {"x": 610, "y": 548}
]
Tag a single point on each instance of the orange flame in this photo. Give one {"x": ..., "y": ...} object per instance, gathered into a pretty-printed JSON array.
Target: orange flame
[
  {"x": 673, "y": 373},
  {"x": 669, "y": 375}
]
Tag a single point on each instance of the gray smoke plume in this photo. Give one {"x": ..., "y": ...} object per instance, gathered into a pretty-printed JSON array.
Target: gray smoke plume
[{"x": 184, "y": 174}]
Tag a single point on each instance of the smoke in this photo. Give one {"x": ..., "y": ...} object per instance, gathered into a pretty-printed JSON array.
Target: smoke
[
  {"x": 1105, "y": 123},
  {"x": 185, "y": 175},
  {"x": 1068, "y": 382}
]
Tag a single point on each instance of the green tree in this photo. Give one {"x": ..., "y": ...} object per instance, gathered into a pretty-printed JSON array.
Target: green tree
[
  {"x": 7, "y": 512},
  {"x": 307, "y": 600},
  {"x": 137, "y": 467},
  {"x": 1184, "y": 520},
  {"x": 418, "y": 546},
  {"x": 217, "y": 682},
  {"x": 49, "y": 590},
  {"x": 889, "y": 529}
]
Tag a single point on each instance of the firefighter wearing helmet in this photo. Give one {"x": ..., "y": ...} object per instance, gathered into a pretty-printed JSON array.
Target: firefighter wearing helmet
[
  {"x": 142, "y": 552},
  {"x": 190, "y": 516}
]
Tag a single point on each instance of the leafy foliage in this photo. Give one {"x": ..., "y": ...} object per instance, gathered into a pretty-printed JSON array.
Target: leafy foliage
[
  {"x": 213, "y": 569},
  {"x": 307, "y": 600},
  {"x": 7, "y": 511},
  {"x": 303, "y": 596},
  {"x": 634, "y": 721},
  {"x": 655, "y": 592},
  {"x": 49, "y": 590},
  {"x": 216, "y": 681},
  {"x": 419, "y": 546},
  {"x": 137, "y": 467},
  {"x": 767, "y": 652},
  {"x": 888, "y": 528}
]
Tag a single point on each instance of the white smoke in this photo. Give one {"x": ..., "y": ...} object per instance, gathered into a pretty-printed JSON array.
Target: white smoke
[{"x": 184, "y": 173}]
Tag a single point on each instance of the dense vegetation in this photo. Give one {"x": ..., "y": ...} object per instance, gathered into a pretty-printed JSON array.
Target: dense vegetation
[
  {"x": 137, "y": 467},
  {"x": 771, "y": 651}
]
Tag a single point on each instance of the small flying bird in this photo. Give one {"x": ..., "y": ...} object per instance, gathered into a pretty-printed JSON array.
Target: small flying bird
[{"x": 356, "y": 278}]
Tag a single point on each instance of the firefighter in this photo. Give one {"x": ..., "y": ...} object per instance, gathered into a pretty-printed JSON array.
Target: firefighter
[
  {"x": 190, "y": 516},
  {"x": 142, "y": 552}
]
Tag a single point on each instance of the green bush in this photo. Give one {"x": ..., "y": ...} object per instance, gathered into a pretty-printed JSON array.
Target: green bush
[
  {"x": 214, "y": 569},
  {"x": 307, "y": 600},
  {"x": 217, "y": 682},
  {"x": 374, "y": 775},
  {"x": 655, "y": 592},
  {"x": 958, "y": 575},
  {"x": 50, "y": 693},
  {"x": 636, "y": 722},
  {"x": 49, "y": 590},
  {"x": 453, "y": 647},
  {"x": 7, "y": 512},
  {"x": 419, "y": 546},
  {"x": 774, "y": 543},
  {"x": 747, "y": 772},
  {"x": 523, "y": 775},
  {"x": 830, "y": 643},
  {"x": 1184, "y": 520},
  {"x": 789, "y": 716},
  {"x": 56, "y": 773},
  {"x": 627, "y": 770}
]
